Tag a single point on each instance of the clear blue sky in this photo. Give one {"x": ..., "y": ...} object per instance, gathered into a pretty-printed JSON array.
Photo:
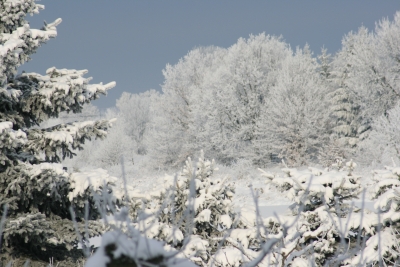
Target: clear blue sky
[{"x": 130, "y": 42}]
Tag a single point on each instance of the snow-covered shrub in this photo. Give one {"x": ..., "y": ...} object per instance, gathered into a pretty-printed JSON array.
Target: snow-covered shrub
[
  {"x": 323, "y": 227},
  {"x": 124, "y": 245},
  {"x": 120, "y": 249},
  {"x": 193, "y": 213},
  {"x": 382, "y": 248},
  {"x": 190, "y": 206},
  {"x": 37, "y": 190},
  {"x": 325, "y": 230}
]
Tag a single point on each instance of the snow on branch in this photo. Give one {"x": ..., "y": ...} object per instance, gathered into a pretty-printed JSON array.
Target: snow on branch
[
  {"x": 57, "y": 91},
  {"x": 58, "y": 142}
]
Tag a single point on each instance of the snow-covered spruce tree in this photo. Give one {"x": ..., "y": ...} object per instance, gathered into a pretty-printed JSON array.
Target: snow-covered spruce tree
[
  {"x": 325, "y": 230},
  {"x": 189, "y": 210},
  {"x": 345, "y": 96},
  {"x": 332, "y": 150},
  {"x": 325, "y": 64},
  {"x": 35, "y": 190},
  {"x": 342, "y": 108}
]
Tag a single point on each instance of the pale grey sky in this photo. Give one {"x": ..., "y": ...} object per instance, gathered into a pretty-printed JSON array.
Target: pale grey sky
[{"x": 130, "y": 42}]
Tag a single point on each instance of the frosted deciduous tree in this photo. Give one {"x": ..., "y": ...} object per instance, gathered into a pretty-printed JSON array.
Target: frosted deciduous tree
[
  {"x": 293, "y": 126},
  {"x": 387, "y": 74},
  {"x": 382, "y": 144},
  {"x": 36, "y": 193},
  {"x": 109, "y": 152},
  {"x": 179, "y": 127},
  {"x": 240, "y": 90},
  {"x": 136, "y": 112}
]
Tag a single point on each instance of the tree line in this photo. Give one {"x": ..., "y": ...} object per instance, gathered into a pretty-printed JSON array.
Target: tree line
[{"x": 263, "y": 101}]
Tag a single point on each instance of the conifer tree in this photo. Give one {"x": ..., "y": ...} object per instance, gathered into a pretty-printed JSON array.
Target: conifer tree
[
  {"x": 36, "y": 192},
  {"x": 344, "y": 108}
]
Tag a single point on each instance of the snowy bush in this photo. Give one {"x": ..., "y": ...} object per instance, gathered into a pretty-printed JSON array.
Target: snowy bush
[
  {"x": 324, "y": 230},
  {"x": 193, "y": 213},
  {"x": 382, "y": 248},
  {"x": 119, "y": 249},
  {"x": 322, "y": 226}
]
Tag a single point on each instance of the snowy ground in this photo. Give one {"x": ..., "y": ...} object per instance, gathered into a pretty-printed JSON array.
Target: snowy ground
[
  {"x": 249, "y": 184},
  {"x": 247, "y": 179}
]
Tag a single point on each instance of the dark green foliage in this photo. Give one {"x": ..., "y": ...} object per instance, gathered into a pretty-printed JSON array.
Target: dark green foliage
[{"x": 37, "y": 191}]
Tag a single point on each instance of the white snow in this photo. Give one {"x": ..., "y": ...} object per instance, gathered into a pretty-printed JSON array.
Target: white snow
[{"x": 95, "y": 180}]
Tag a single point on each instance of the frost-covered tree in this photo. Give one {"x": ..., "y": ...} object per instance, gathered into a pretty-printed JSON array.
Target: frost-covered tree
[
  {"x": 240, "y": 90},
  {"x": 325, "y": 63},
  {"x": 387, "y": 74},
  {"x": 382, "y": 144},
  {"x": 108, "y": 152},
  {"x": 350, "y": 76},
  {"x": 344, "y": 113},
  {"x": 36, "y": 193},
  {"x": 293, "y": 124},
  {"x": 366, "y": 75},
  {"x": 136, "y": 112},
  {"x": 178, "y": 129}
]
